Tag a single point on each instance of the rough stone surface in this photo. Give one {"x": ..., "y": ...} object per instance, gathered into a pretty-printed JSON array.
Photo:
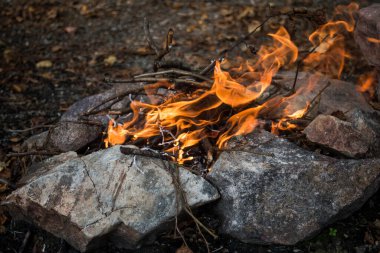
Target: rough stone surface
[
  {"x": 368, "y": 26},
  {"x": 276, "y": 192},
  {"x": 104, "y": 194},
  {"x": 352, "y": 140},
  {"x": 339, "y": 95},
  {"x": 364, "y": 121}
]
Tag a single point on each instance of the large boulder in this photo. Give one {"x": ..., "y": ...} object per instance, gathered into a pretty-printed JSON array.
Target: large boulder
[
  {"x": 124, "y": 198},
  {"x": 275, "y": 192}
]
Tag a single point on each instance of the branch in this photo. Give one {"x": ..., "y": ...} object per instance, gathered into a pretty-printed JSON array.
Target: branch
[
  {"x": 147, "y": 153},
  {"x": 42, "y": 153}
]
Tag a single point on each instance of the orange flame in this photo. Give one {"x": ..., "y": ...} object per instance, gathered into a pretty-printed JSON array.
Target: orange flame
[
  {"x": 366, "y": 83},
  {"x": 373, "y": 40},
  {"x": 183, "y": 120},
  {"x": 329, "y": 57}
]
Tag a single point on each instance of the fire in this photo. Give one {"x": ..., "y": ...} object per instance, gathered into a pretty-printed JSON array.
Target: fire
[
  {"x": 373, "y": 40},
  {"x": 329, "y": 57},
  {"x": 366, "y": 83},
  {"x": 231, "y": 106}
]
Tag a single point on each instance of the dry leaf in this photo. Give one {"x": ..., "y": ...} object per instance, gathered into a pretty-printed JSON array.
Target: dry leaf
[
  {"x": 8, "y": 55},
  {"x": 253, "y": 25},
  {"x": 56, "y": 48},
  {"x": 15, "y": 139},
  {"x": 368, "y": 238},
  {"x": 70, "y": 29},
  {"x": 18, "y": 88},
  {"x": 83, "y": 9},
  {"x": 110, "y": 60},
  {"x": 184, "y": 249},
  {"x": 47, "y": 75},
  {"x": 52, "y": 14},
  {"x": 44, "y": 64}
]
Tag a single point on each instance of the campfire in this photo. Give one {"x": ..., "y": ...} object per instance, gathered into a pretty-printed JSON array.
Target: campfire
[
  {"x": 277, "y": 135},
  {"x": 196, "y": 113}
]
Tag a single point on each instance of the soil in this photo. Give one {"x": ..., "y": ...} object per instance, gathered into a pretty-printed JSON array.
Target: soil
[{"x": 54, "y": 53}]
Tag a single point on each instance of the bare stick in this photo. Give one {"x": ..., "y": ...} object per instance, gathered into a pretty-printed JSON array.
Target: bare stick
[
  {"x": 29, "y": 129},
  {"x": 5, "y": 181},
  {"x": 149, "y": 38},
  {"x": 246, "y": 151},
  {"x": 162, "y": 79},
  {"x": 42, "y": 153},
  {"x": 85, "y": 122},
  {"x": 24, "y": 242},
  {"x": 312, "y": 101},
  {"x": 174, "y": 71},
  {"x": 148, "y": 153},
  {"x": 299, "y": 63},
  {"x": 124, "y": 92}
]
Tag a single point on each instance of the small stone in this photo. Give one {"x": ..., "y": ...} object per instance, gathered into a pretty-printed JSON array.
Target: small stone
[{"x": 340, "y": 136}]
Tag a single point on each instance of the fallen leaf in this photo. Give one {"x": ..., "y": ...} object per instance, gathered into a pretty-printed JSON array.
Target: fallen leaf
[
  {"x": 15, "y": 139},
  {"x": 368, "y": 238},
  {"x": 8, "y": 55},
  {"x": 83, "y": 9},
  {"x": 52, "y": 14},
  {"x": 253, "y": 25},
  {"x": 184, "y": 249},
  {"x": 18, "y": 88},
  {"x": 47, "y": 75},
  {"x": 110, "y": 60},
  {"x": 44, "y": 64},
  {"x": 56, "y": 48},
  {"x": 70, "y": 29}
]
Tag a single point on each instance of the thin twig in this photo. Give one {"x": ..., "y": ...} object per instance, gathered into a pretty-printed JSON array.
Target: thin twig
[
  {"x": 149, "y": 38},
  {"x": 24, "y": 242},
  {"x": 147, "y": 153},
  {"x": 124, "y": 92},
  {"x": 245, "y": 151},
  {"x": 174, "y": 71},
  {"x": 310, "y": 107},
  {"x": 84, "y": 122},
  {"x": 163, "y": 79},
  {"x": 29, "y": 129},
  {"x": 299, "y": 63},
  {"x": 42, "y": 153},
  {"x": 5, "y": 181}
]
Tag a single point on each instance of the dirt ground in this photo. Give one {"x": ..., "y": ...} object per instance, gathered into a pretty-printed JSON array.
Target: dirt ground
[{"x": 54, "y": 53}]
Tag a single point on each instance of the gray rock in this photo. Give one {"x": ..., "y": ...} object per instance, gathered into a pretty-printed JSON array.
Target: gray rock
[
  {"x": 352, "y": 140},
  {"x": 71, "y": 135},
  {"x": 368, "y": 26},
  {"x": 275, "y": 192},
  {"x": 105, "y": 194},
  {"x": 339, "y": 95},
  {"x": 364, "y": 121}
]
